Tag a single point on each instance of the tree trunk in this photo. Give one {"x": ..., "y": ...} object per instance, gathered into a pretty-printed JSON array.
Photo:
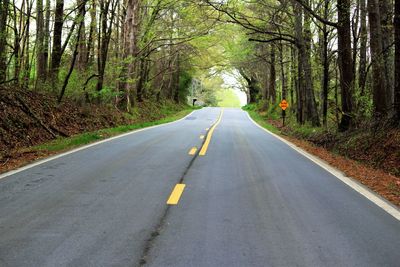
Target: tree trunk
[
  {"x": 397, "y": 61},
  {"x": 81, "y": 62},
  {"x": 283, "y": 76},
  {"x": 311, "y": 106},
  {"x": 272, "y": 76},
  {"x": 300, "y": 73},
  {"x": 46, "y": 37},
  {"x": 40, "y": 52},
  {"x": 131, "y": 31},
  {"x": 362, "y": 68},
  {"x": 345, "y": 63},
  {"x": 4, "y": 6},
  {"x": 27, "y": 65},
  {"x": 92, "y": 38},
  {"x": 378, "y": 69},
  {"x": 104, "y": 40},
  {"x": 17, "y": 40},
  {"x": 140, "y": 84},
  {"x": 385, "y": 12},
  {"x": 292, "y": 75},
  {"x": 325, "y": 79},
  {"x": 81, "y": 15},
  {"x": 57, "y": 45}
]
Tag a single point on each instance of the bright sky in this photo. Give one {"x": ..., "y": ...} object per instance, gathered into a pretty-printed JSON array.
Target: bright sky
[{"x": 232, "y": 82}]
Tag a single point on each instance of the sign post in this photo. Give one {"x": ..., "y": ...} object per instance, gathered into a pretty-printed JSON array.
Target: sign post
[{"x": 284, "y": 105}]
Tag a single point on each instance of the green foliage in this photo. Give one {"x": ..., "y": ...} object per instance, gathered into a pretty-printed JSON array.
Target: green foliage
[{"x": 185, "y": 80}]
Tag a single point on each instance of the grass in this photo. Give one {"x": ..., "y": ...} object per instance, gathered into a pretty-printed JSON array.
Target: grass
[
  {"x": 62, "y": 144},
  {"x": 227, "y": 98},
  {"x": 260, "y": 119}
]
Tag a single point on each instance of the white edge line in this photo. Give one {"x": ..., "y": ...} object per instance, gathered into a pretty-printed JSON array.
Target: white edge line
[
  {"x": 363, "y": 190},
  {"x": 40, "y": 162}
]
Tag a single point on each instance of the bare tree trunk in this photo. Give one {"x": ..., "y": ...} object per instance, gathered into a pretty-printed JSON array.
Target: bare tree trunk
[
  {"x": 57, "y": 45},
  {"x": 4, "y": 6},
  {"x": 140, "y": 84},
  {"x": 292, "y": 75},
  {"x": 104, "y": 39},
  {"x": 131, "y": 30},
  {"x": 283, "y": 75},
  {"x": 298, "y": 28},
  {"x": 362, "y": 68},
  {"x": 92, "y": 37},
  {"x": 397, "y": 61},
  {"x": 311, "y": 107},
  {"x": 378, "y": 69},
  {"x": 81, "y": 62},
  {"x": 40, "y": 57},
  {"x": 345, "y": 63},
  {"x": 325, "y": 79},
  {"x": 17, "y": 40},
  {"x": 385, "y": 12},
  {"x": 27, "y": 64},
  {"x": 272, "y": 76},
  {"x": 81, "y": 15},
  {"x": 46, "y": 37}
]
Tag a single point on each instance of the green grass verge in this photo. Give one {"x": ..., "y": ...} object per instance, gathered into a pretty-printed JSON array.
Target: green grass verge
[
  {"x": 227, "y": 98},
  {"x": 62, "y": 144},
  {"x": 260, "y": 119}
]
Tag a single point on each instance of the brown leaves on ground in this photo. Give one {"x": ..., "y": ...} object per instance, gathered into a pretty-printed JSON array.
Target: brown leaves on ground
[
  {"x": 385, "y": 184},
  {"x": 23, "y": 115}
]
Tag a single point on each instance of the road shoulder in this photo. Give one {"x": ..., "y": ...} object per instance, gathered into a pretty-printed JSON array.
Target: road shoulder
[
  {"x": 37, "y": 155},
  {"x": 348, "y": 171}
]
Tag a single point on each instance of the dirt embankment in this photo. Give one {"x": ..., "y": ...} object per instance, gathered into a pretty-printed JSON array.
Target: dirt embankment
[{"x": 29, "y": 118}]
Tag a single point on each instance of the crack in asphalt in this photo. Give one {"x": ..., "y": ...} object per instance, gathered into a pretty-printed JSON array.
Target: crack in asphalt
[{"x": 154, "y": 234}]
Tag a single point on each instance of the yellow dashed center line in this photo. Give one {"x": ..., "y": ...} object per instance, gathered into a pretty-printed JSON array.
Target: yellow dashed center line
[
  {"x": 176, "y": 194},
  {"x": 193, "y": 151},
  {"x": 204, "y": 148}
]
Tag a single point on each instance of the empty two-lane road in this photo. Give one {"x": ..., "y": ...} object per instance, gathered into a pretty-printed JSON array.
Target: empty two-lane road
[{"x": 248, "y": 199}]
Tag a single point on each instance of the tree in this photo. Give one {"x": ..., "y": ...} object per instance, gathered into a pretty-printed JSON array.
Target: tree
[
  {"x": 41, "y": 64},
  {"x": 397, "y": 61},
  {"x": 57, "y": 42},
  {"x": 346, "y": 63},
  {"x": 106, "y": 8},
  {"x": 131, "y": 31},
  {"x": 4, "y": 7},
  {"x": 379, "y": 78},
  {"x": 362, "y": 72}
]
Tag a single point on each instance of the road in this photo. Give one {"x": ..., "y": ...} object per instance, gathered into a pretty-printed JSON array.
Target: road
[{"x": 250, "y": 200}]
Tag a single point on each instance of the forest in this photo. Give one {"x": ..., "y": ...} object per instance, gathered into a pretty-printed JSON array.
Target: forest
[{"x": 334, "y": 61}]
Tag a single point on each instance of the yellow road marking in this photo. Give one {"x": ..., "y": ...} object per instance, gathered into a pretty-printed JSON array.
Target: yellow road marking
[
  {"x": 193, "y": 151},
  {"x": 176, "y": 194},
  {"x": 201, "y": 136},
  {"x": 204, "y": 148}
]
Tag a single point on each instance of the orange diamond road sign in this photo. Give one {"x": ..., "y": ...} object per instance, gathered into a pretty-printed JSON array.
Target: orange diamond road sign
[{"x": 284, "y": 104}]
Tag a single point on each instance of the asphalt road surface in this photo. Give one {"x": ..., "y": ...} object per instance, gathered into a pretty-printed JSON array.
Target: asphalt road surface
[{"x": 249, "y": 200}]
